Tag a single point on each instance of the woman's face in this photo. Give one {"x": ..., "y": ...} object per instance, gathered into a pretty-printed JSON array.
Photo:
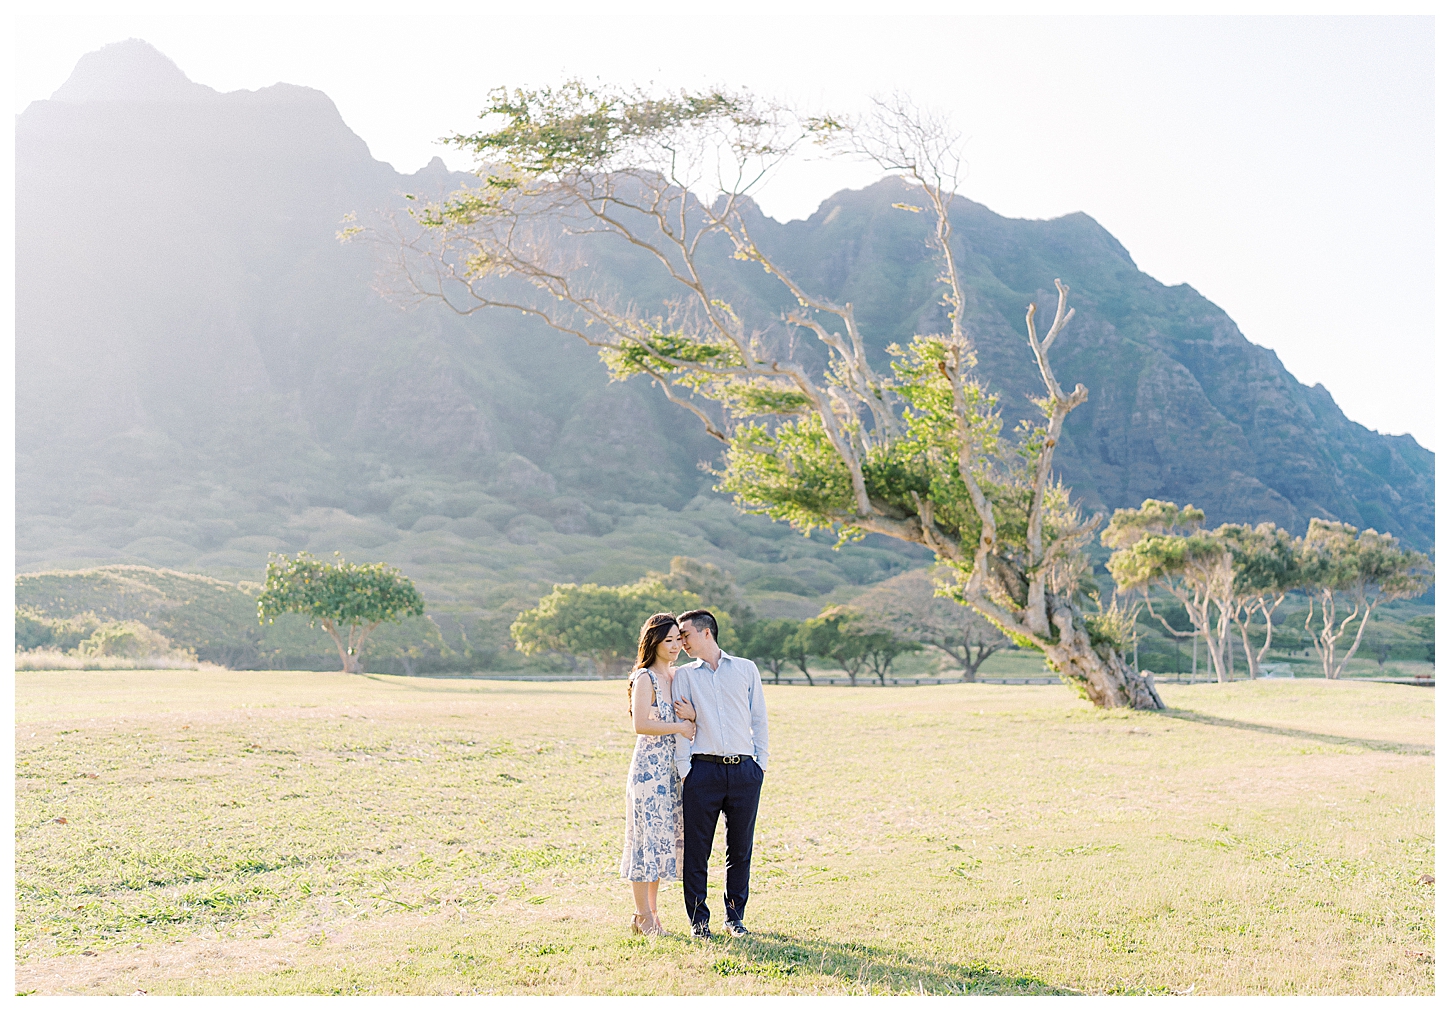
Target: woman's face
[{"x": 670, "y": 646}]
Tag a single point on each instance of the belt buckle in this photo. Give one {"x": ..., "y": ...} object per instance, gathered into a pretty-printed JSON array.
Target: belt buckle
[{"x": 731, "y": 759}]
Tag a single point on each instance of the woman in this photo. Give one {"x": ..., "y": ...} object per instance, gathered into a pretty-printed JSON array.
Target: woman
[{"x": 654, "y": 828}]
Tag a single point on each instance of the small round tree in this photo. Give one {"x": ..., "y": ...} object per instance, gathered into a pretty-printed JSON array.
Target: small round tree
[
  {"x": 768, "y": 643},
  {"x": 347, "y": 600},
  {"x": 600, "y": 623}
]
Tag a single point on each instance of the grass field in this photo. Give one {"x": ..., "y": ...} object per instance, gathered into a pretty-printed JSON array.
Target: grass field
[{"x": 261, "y": 832}]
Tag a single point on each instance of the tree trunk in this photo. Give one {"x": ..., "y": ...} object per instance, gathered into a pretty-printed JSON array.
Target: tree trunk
[
  {"x": 970, "y": 665},
  {"x": 351, "y": 662},
  {"x": 1256, "y": 658},
  {"x": 1359, "y": 633},
  {"x": 1200, "y": 614},
  {"x": 1323, "y": 641},
  {"x": 1100, "y": 672},
  {"x": 1249, "y": 658},
  {"x": 1214, "y": 642},
  {"x": 969, "y": 669},
  {"x": 963, "y": 658}
]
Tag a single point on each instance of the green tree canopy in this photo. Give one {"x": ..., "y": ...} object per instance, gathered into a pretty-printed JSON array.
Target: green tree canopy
[
  {"x": 600, "y": 623},
  {"x": 347, "y": 600},
  {"x": 1238, "y": 570},
  {"x": 1338, "y": 566},
  {"x": 814, "y": 637},
  {"x": 768, "y": 642},
  {"x": 858, "y": 642},
  {"x": 1265, "y": 562},
  {"x": 1159, "y": 546}
]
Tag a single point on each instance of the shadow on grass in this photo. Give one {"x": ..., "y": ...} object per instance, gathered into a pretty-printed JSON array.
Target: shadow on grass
[
  {"x": 505, "y": 685},
  {"x": 1359, "y": 742},
  {"x": 874, "y": 969}
]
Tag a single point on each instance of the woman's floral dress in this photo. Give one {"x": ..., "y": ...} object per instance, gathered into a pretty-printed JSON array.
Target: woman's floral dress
[{"x": 654, "y": 825}]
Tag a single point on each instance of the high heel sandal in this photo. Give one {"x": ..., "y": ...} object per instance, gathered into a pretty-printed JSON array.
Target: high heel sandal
[
  {"x": 640, "y": 924},
  {"x": 656, "y": 927}
]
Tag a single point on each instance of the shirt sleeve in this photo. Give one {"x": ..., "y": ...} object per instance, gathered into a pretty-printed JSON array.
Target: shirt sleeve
[
  {"x": 759, "y": 731},
  {"x": 683, "y": 745}
]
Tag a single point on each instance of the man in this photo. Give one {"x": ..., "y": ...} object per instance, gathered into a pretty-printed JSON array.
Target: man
[{"x": 722, "y": 768}]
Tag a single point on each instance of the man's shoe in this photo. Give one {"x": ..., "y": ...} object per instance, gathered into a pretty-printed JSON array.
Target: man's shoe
[
  {"x": 701, "y": 930},
  {"x": 735, "y": 928}
]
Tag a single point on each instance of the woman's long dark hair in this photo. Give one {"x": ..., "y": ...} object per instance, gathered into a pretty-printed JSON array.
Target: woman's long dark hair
[{"x": 655, "y": 631}]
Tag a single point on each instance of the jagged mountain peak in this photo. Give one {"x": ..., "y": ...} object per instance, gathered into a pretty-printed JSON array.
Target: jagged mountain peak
[{"x": 129, "y": 71}]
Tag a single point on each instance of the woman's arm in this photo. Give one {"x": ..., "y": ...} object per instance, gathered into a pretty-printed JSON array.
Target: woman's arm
[{"x": 644, "y": 719}]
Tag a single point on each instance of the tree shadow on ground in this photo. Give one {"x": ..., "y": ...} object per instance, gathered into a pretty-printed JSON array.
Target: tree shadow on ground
[
  {"x": 501, "y": 686},
  {"x": 867, "y": 969},
  {"x": 1308, "y": 735}
]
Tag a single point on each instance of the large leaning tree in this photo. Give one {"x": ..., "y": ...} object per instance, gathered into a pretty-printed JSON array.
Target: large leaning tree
[
  {"x": 915, "y": 451},
  {"x": 349, "y": 601}
]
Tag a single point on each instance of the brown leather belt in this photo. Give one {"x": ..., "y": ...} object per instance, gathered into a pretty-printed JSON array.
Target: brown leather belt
[{"x": 720, "y": 759}]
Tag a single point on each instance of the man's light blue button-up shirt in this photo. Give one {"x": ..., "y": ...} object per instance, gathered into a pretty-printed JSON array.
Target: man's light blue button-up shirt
[{"x": 729, "y": 709}]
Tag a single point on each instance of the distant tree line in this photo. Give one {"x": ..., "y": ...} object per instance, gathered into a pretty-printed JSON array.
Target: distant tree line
[
  {"x": 1222, "y": 579},
  {"x": 1230, "y": 583},
  {"x": 600, "y": 625},
  {"x": 1219, "y": 583}
]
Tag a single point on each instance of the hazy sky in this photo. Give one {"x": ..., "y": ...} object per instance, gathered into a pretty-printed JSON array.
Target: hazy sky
[{"x": 1282, "y": 166}]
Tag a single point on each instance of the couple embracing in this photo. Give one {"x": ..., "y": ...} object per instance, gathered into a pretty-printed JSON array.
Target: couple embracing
[{"x": 700, "y": 753}]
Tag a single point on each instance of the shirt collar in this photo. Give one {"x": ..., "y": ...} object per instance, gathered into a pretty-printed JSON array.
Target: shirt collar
[{"x": 697, "y": 662}]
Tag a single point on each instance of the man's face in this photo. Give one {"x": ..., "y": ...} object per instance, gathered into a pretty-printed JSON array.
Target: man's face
[{"x": 696, "y": 639}]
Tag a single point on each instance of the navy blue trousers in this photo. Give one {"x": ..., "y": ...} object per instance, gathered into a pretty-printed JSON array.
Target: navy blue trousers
[{"x": 711, "y": 790}]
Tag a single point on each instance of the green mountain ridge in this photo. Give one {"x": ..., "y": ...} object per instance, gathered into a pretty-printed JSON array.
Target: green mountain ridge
[{"x": 205, "y": 374}]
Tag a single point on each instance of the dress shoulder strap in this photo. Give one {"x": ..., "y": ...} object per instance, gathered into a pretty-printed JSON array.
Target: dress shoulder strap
[
  {"x": 635, "y": 677},
  {"x": 653, "y": 682}
]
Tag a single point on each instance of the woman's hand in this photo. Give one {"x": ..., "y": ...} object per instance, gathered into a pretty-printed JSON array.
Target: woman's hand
[
  {"x": 689, "y": 730},
  {"x": 684, "y": 710}
]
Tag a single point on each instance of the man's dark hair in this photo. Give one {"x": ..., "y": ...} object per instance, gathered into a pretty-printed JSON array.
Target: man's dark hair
[{"x": 702, "y": 618}]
